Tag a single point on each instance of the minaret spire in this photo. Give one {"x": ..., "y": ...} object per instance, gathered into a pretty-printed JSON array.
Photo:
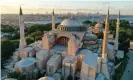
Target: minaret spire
[
  {"x": 22, "y": 43},
  {"x": 104, "y": 66},
  {"x": 53, "y": 20},
  {"x": 20, "y": 12},
  {"x": 105, "y": 39},
  {"x": 117, "y": 32}
]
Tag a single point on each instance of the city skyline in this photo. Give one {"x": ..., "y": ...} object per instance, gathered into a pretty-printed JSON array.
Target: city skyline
[{"x": 43, "y": 6}]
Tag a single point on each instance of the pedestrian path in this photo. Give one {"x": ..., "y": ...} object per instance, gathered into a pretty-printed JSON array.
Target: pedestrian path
[{"x": 128, "y": 73}]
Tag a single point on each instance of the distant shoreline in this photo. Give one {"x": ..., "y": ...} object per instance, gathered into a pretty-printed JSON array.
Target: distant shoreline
[{"x": 59, "y": 14}]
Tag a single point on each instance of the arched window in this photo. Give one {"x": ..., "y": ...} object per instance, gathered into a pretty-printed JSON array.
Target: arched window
[
  {"x": 60, "y": 28},
  {"x": 66, "y": 29},
  {"x": 62, "y": 40}
]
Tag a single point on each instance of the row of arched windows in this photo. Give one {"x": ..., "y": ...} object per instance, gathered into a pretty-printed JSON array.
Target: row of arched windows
[{"x": 72, "y": 28}]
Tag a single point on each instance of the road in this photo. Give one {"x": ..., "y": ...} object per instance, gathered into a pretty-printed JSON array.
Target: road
[{"x": 128, "y": 74}]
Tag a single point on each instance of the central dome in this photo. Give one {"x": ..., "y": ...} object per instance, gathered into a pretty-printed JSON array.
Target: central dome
[{"x": 71, "y": 23}]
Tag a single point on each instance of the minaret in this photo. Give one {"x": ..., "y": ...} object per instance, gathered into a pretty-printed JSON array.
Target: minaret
[
  {"x": 22, "y": 43},
  {"x": 117, "y": 33},
  {"x": 53, "y": 20},
  {"x": 105, "y": 39},
  {"x": 104, "y": 66}
]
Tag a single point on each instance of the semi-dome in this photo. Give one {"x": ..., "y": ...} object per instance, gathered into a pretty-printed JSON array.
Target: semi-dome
[
  {"x": 71, "y": 23},
  {"x": 90, "y": 37}
]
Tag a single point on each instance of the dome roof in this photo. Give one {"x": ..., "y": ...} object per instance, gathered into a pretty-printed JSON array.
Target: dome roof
[
  {"x": 46, "y": 78},
  {"x": 98, "y": 25},
  {"x": 90, "y": 36},
  {"x": 71, "y": 22}
]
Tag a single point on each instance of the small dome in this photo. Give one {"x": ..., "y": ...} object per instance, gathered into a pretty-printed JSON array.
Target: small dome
[
  {"x": 98, "y": 25},
  {"x": 90, "y": 37},
  {"x": 46, "y": 78},
  {"x": 71, "y": 23}
]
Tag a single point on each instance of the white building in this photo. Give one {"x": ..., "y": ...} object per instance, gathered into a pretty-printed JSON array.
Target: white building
[
  {"x": 42, "y": 56},
  {"x": 69, "y": 66},
  {"x": 25, "y": 65},
  {"x": 53, "y": 64},
  {"x": 89, "y": 65},
  {"x": 26, "y": 52}
]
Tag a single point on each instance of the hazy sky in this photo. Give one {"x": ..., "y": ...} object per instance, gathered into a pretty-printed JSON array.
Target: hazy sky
[{"x": 42, "y": 6}]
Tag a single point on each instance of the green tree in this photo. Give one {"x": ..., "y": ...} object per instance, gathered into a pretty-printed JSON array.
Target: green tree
[
  {"x": 93, "y": 23},
  {"x": 38, "y": 38},
  {"x": 125, "y": 31},
  {"x": 123, "y": 36},
  {"x": 7, "y": 49},
  {"x": 39, "y": 27},
  {"x": 87, "y": 22},
  {"x": 37, "y": 33},
  {"x": 70, "y": 77},
  {"x": 112, "y": 25},
  {"x": 29, "y": 40},
  {"x": 14, "y": 35},
  {"x": 7, "y": 29}
]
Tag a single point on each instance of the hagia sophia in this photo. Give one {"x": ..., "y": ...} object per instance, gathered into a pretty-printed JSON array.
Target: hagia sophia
[{"x": 70, "y": 50}]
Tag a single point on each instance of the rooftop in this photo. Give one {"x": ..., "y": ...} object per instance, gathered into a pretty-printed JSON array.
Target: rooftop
[
  {"x": 53, "y": 60},
  {"x": 90, "y": 58},
  {"x": 59, "y": 48},
  {"x": 71, "y": 22},
  {"x": 42, "y": 52},
  {"x": 25, "y": 62},
  {"x": 110, "y": 46},
  {"x": 69, "y": 59},
  {"x": 28, "y": 49}
]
